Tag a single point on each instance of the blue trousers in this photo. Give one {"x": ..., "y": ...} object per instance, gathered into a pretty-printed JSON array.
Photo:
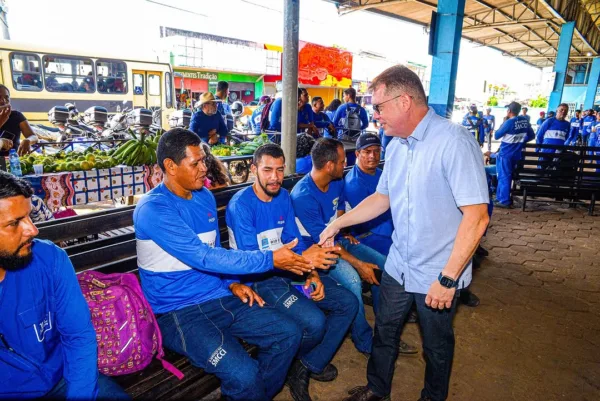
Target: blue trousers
[
  {"x": 108, "y": 389},
  {"x": 438, "y": 340},
  {"x": 324, "y": 323},
  {"x": 346, "y": 275},
  {"x": 208, "y": 334},
  {"x": 505, "y": 165}
]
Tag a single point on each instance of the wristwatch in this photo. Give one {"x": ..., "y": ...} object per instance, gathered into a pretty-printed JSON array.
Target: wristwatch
[{"x": 447, "y": 282}]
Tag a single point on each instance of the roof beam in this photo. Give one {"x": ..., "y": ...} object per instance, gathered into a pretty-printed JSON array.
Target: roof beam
[
  {"x": 504, "y": 23},
  {"x": 343, "y": 9}
]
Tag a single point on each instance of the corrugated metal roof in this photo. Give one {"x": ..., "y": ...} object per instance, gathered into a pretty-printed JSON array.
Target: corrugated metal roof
[{"x": 525, "y": 29}]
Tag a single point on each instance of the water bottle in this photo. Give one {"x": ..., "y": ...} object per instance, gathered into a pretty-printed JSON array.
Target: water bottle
[{"x": 15, "y": 163}]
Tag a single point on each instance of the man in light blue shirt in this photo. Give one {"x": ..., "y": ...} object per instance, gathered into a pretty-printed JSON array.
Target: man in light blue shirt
[{"x": 437, "y": 192}]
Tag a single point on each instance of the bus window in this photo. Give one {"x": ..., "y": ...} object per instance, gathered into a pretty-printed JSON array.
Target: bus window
[
  {"x": 168, "y": 90},
  {"x": 138, "y": 84},
  {"x": 26, "y": 72},
  {"x": 153, "y": 84},
  {"x": 112, "y": 76},
  {"x": 68, "y": 74}
]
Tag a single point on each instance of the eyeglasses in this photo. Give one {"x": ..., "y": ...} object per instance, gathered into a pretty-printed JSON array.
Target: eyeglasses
[{"x": 376, "y": 106}]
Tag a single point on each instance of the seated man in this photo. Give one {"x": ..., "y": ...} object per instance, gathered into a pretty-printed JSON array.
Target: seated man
[
  {"x": 207, "y": 123},
  {"x": 47, "y": 341},
  {"x": 262, "y": 217},
  {"x": 201, "y": 314},
  {"x": 360, "y": 183},
  {"x": 322, "y": 121},
  {"x": 318, "y": 199}
]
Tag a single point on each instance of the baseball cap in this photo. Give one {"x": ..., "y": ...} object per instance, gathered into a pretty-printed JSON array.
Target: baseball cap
[
  {"x": 473, "y": 107},
  {"x": 514, "y": 107},
  {"x": 366, "y": 140},
  {"x": 542, "y": 113}
]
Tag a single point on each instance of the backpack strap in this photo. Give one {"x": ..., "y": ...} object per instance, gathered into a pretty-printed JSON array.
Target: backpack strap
[{"x": 161, "y": 353}]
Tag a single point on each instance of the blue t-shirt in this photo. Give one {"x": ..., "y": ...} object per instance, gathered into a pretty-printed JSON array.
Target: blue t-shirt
[
  {"x": 340, "y": 117},
  {"x": 47, "y": 323},
  {"x": 472, "y": 123},
  {"x": 593, "y": 139},
  {"x": 553, "y": 132},
  {"x": 358, "y": 186},
  {"x": 514, "y": 133},
  {"x": 202, "y": 123},
  {"x": 257, "y": 225},
  {"x": 575, "y": 128},
  {"x": 180, "y": 259},
  {"x": 315, "y": 209},
  {"x": 305, "y": 116},
  {"x": 225, "y": 110},
  {"x": 491, "y": 122}
]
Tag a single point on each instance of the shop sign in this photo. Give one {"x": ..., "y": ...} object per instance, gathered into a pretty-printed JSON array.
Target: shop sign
[{"x": 209, "y": 76}]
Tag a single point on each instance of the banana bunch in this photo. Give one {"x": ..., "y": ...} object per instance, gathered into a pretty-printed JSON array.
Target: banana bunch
[{"x": 137, "y": 152}]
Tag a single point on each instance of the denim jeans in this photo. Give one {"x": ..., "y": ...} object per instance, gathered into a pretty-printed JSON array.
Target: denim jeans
[
  {"x": 108, "y": 389},
  {"x": 346, "y": 275},
  {"x": 207, "y": 334},
  {"x": 324, "y": 323},
  {"x": 438, "y": 340}
]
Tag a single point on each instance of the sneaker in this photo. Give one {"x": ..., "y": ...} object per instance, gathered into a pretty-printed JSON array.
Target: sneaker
[
  {"x": 406, "y": 349},
  {"x": 297, "y": 381},
  {"x": 328, "y": 374},
  {"x": 481, "y": 251},
  {"x": 502, "y": 205},
  {"x": 364, "y": 393}
]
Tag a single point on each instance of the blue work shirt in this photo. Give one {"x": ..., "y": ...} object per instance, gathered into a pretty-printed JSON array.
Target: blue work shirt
[
  {"x": 256, "y": 119},
  {"x": 359, "y": 185},
  {"x": 202, "y": 123},
  {"x": 427, "y": 177},
  {"x": 528, "y": 117},
  {"x": 472, "y": 123},
  {"x": 180, "y": 259},
  {"x": 586, "y": 125},
  {"x": 491, "y": 122},
  {"x": 225, "y": 110},
  {"x": 305, "y": 116},
  {"x": 330, "y": 114},
  {"x": 553, "y": 132},
  {"x": 314, "y": 208},
  {"x": 340, "y": 117},
  {"x": 322, "y": 122},
  {"x": 575, "y": 129},
  {"x": 46, "y": 322},
  {"x": 514, "y": 133},
  {"x": 593, "y": 139}
]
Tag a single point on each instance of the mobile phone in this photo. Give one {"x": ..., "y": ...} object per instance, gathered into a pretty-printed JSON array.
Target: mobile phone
[
  {"x": 378, "y": 274},
  {"x": 299, "y": 285}
]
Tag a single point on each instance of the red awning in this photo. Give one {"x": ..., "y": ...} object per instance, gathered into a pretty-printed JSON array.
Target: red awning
[{"x": 194, "y": 85}]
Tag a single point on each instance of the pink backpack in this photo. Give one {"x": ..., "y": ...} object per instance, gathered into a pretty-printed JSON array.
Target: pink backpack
[{"x": 127, "y": 333}]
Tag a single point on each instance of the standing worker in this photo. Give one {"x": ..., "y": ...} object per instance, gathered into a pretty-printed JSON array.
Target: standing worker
[
  {"x": 514, "y": 133},
  {"x": 527, "y": 116},
  {"x": 434, "y": 173},
  {"x": 554, "y": 130},
  {"x": 350, "y": 119},
  {"x": 586, "y": 127},
  {"x": 491, "y": 126},
  {"x": 575, "y": 129},
  {"x": 222, "y": 106},
  {"x": 256, "y": 118},
  {"x": 207, "y": 122}
]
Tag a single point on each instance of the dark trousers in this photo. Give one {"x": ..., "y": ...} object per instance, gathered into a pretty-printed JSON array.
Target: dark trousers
[
  {"x": 438, "y": 340},
  {"x": 208, "y": 335}
]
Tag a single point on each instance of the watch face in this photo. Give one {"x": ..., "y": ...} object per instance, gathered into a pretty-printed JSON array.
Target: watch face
[{"x": 446, "y": 282}]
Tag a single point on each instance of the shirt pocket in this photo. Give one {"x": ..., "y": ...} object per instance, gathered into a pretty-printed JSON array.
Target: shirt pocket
[{"x": 37, "y": 323}]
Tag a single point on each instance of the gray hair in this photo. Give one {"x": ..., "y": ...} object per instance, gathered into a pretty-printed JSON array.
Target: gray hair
[{"x": 402, "y": 79}]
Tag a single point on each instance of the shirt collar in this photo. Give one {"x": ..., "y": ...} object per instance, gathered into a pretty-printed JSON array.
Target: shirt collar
[{"x": 421, "y": 130}]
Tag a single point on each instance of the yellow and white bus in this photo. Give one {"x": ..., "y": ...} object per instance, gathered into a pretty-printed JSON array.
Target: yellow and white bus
[{"x": 40, "y": 78}]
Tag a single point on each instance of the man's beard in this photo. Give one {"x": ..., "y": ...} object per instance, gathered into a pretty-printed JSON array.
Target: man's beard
[
  {"x": 14, "y": 262},
  {"x": 269, "y": 193}
]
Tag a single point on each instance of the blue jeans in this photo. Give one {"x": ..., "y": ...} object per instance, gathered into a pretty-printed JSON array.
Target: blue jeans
[
  {"x": 346, "y": 275},
  {"x": 108, "y": 389},
  {"x": 324, "y": 323},
  {"x": 208, "y": 335},
  {"x": 438, "y": 340}
]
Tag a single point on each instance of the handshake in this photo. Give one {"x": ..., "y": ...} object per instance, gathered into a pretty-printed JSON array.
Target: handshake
[{"x": 315, "y": 257}]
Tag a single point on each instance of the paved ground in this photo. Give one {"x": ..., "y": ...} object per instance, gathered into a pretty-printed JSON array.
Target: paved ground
[{"x": 536, "y": 334}]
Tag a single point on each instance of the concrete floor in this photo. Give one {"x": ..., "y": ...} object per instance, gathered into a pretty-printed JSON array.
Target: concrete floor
[{"x": 536, "y": 334}]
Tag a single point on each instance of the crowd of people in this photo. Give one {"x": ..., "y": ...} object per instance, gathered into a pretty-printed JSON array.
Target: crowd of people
[{"x": 291, "y": 284}]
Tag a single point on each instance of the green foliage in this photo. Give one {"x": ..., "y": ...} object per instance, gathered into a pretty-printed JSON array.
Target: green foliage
[
  {"x": 492, "y": 101},
  {"x": 540, "y": 102}
]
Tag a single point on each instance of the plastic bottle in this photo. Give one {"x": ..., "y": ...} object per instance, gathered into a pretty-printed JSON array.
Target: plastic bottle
[{"x": 15, "y": 163}]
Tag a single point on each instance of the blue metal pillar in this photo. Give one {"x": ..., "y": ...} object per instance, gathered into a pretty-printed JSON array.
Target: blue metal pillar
[
  {"x": 446, "y": 48},
  {"x": 561, "y": 64},
  {"x": 590, "y": 94}
]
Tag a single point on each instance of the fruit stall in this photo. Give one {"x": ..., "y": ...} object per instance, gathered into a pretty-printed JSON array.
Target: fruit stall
[{"x": 95, "y": 175}]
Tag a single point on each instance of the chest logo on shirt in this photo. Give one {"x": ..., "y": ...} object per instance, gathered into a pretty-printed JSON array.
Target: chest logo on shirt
[
  {"x": 281, "y": 220},
  {"x": 335, "y": 203},
  {"x": 211, "y": 219},
  {"x": 43, "y": 327}
]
